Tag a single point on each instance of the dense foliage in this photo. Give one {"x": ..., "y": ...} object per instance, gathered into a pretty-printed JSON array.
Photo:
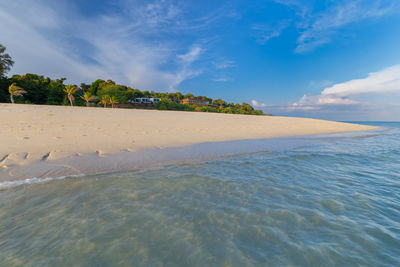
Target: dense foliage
[
  {"x": 36, "y": 89},
  {"x": 43, "y": 90},
  {"x": 39, "y": 90}
]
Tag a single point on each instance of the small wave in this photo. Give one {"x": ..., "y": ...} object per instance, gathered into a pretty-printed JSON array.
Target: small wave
[{"x": 35, "y": 180}]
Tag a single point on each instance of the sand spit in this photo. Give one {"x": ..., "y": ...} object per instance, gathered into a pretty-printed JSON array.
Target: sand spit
[{"x": 32, "y": 135}]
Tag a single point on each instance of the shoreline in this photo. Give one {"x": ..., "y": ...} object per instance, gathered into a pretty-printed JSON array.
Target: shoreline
[
  {"x": 89, "y": 164},
  {"x": 53, "y": 141},
  {"x": 158, "y": 158}
]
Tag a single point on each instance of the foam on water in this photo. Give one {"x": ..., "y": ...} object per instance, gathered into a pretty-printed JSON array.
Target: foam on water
[
  {"x": 34, "y": 180},
  {"x": 152, "y": 157}
]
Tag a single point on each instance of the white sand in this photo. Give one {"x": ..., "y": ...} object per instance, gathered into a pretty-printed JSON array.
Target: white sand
[{"x": 32, "y": 133}]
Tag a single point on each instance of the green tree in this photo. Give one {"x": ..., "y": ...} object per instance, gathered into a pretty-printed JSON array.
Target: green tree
[
  {"x": 35, "y": 85},
  {"x": 209, "y": 100},
  {"x": 40, "y": 90},
  {"x": 70, "y": 90},
  {"x": 131, "y": 94},
  {"x": 15, "y": 90},
  {"x": 105, "y": 99},
  {"x": 95, "y": 86},
  {"x": 113, "y": 101},
  {"x": 55, "y": 92},
  {"x": 4, "y": 83},
  {"x": 219, "y": 102},
  {"x": 146, "y": 94},
  {"x": 176, "y": 97},
  {"x": 118, "y": 91},
  {"x": 87, "y": 97},
  {"x": 188, "y": 96},
  {"x": 85, "y": 87},
  {"x": 5, "y": 61}
]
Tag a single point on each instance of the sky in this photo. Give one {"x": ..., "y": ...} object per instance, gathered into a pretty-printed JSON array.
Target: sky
[{"x": 328, "y": 59}]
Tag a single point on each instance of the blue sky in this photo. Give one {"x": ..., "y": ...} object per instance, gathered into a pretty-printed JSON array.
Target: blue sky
[{"x": 335, "y": 60}]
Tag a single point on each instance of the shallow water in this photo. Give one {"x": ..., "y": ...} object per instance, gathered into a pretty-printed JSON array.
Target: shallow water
[{"x": 331, "y": 200}]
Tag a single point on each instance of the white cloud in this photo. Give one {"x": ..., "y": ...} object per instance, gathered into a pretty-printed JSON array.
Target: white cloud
[
  {"x": 344, "y": 97},
  {"x": 256, "y": 104},
  {"x": 32, "y": 52},
  {"x": 318, "y": 28},
  {"x": 191, "y": 56},
  {"x": 324, "y": 24},
  {"x": 311, "y": 102},
  {"x": 129, "y": 48},
  {"x": 385, "y": 81},
  {"x": 267, "y": 32},
  {"x": 225, "y": 64},
  {"x": 301, "y": 9}
]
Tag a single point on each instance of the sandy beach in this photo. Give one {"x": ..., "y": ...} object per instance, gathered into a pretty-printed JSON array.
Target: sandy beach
[{"x": 32, "y": 135}]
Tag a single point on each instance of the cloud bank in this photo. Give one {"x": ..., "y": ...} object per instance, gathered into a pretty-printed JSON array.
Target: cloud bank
[
  {"x": 354, "y": 96},
  {"x": 376, "y": 83},
  {"x": 385, "y": 81}
]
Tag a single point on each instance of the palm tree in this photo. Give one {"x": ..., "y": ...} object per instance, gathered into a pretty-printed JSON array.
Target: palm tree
[
  {"x": 15, "y": 90},
  {"x": 113, "y": 100},
  {"x": 70, "y": 90},
  {"x": 87, "y": 97},
  {"x": 105, "y": 99}
]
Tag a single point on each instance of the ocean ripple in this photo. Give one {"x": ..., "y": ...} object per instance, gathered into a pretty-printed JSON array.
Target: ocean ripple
[{"x": 334, "y": 202}]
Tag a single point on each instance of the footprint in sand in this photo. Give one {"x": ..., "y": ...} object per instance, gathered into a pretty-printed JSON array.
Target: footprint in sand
[
  {"x": 3, "y": 158},
  {"x": 45, "y": 156},
  {"x": 99, "y": 153}
]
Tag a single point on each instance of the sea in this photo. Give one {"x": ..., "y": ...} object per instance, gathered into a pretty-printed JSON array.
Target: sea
[{"x": 331, "y": 200}]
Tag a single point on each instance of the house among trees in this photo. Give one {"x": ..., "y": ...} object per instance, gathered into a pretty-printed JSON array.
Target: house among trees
[
  {"x": 195, "y": 101},
  {"x": 155, "y": 100},
  {"x": 145, "y": 100},
  {"x": 37, "y": 89}
]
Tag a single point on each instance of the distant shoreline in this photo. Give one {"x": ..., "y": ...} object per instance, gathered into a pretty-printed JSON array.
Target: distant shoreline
[{"x": 48, "y": 141}]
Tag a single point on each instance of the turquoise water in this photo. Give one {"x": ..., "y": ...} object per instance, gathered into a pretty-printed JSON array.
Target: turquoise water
[{"x": 331, "y": 200}]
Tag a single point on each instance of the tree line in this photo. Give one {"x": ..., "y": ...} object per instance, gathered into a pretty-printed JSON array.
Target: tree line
[{"x": 37, "y": 89}]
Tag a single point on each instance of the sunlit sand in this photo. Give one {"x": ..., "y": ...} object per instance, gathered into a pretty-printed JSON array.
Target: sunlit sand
[{"x": 32, "y": 133}]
